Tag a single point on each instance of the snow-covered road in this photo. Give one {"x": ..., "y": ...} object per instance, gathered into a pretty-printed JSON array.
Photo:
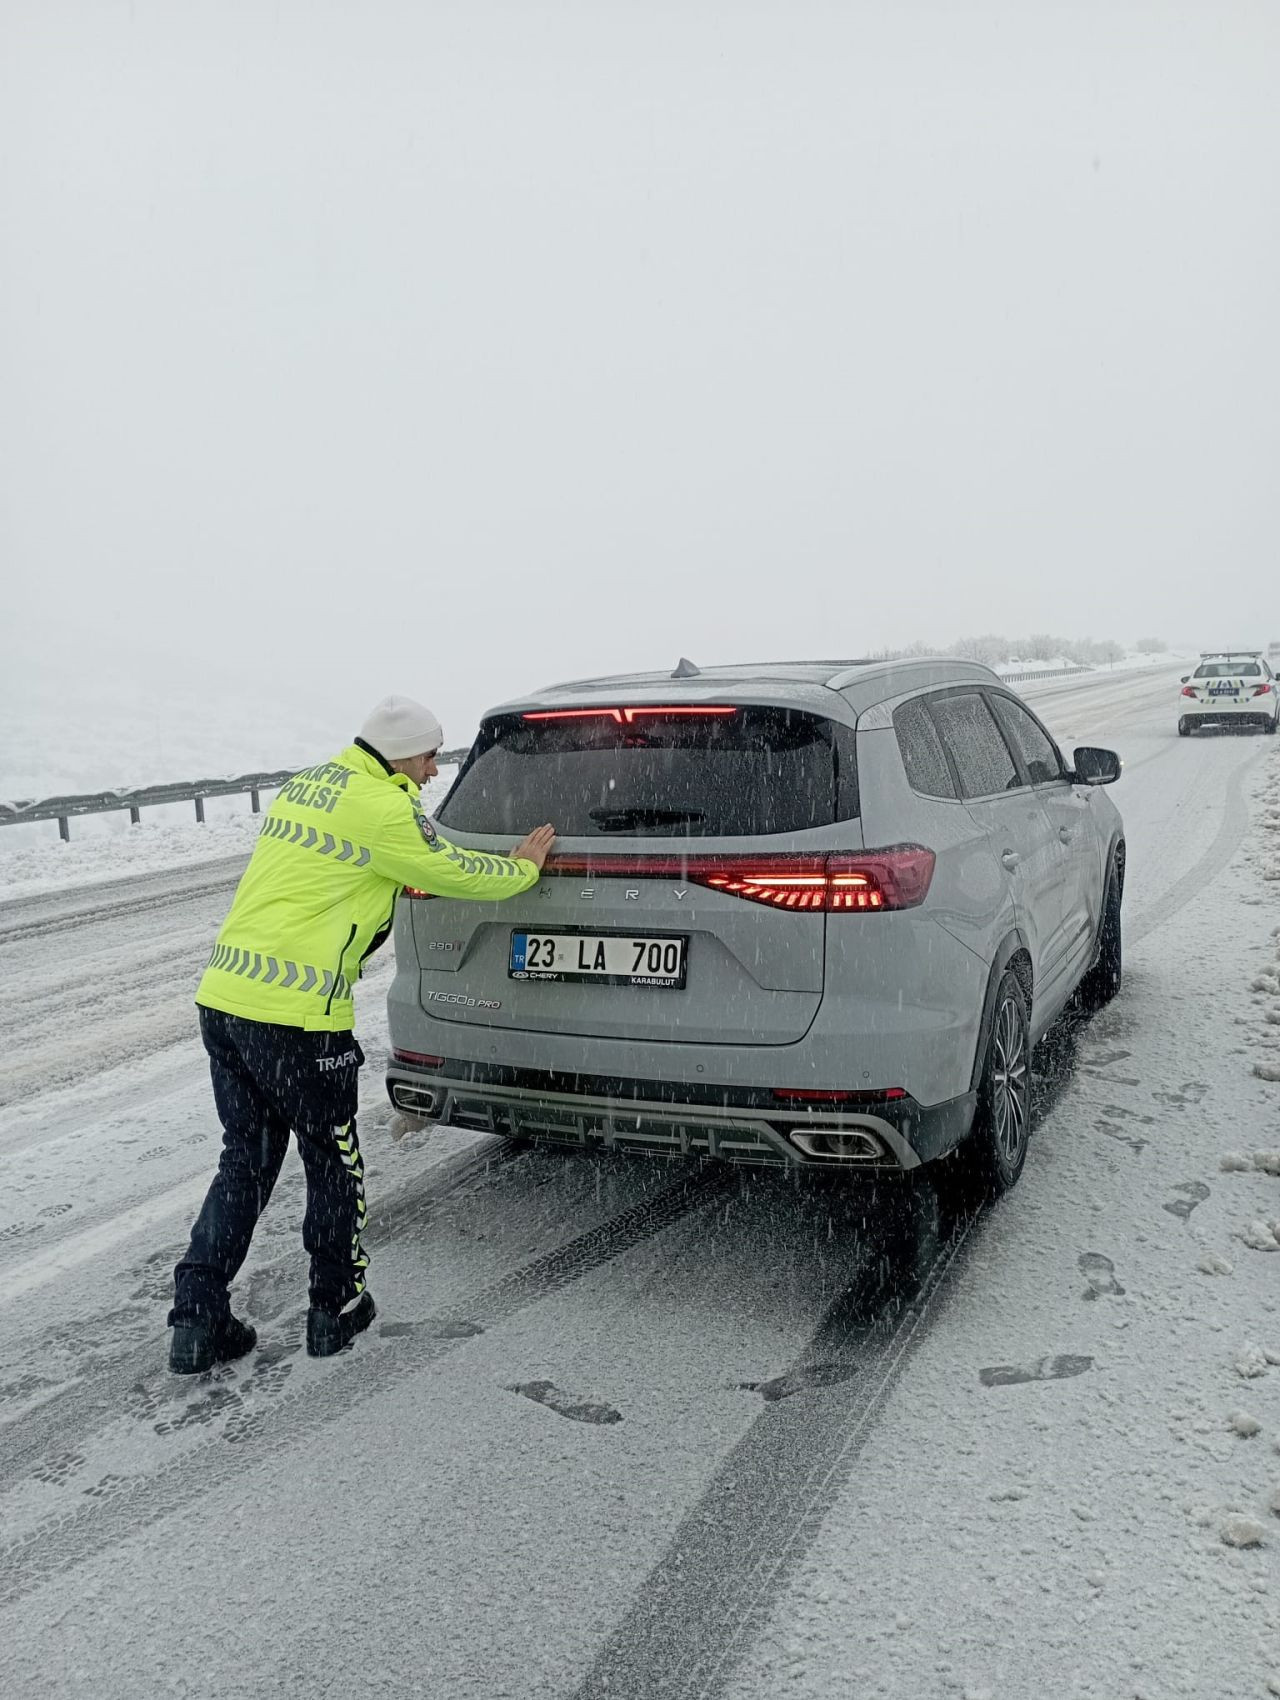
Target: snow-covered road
[{"x": 638, "y": 1429}]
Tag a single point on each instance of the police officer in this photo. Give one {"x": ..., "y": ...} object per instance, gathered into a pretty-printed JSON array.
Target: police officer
[{"x": 276, "y": 1017}]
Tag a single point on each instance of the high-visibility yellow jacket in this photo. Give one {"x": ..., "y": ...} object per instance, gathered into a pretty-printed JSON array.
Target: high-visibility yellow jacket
[{"x": 320, "y": 890}]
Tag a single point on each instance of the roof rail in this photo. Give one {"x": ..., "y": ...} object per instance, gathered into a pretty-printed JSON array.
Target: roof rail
[{"x": 851, "y": 669}]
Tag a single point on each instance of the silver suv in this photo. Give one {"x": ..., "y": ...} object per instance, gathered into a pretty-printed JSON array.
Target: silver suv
[{"x": 813, "y": 913}]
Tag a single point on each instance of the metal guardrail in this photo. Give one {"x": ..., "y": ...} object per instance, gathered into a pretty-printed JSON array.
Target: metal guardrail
[
  {"x": 1044, "y": 673},
  {"x": 137, "y": 798}
]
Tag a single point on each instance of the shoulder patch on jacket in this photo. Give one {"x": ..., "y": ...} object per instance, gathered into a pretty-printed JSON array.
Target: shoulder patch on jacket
[{"x": 427, "y": 828}]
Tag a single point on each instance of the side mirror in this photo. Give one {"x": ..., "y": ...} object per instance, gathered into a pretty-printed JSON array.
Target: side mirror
[
  {"x": 1097, "y": 767},
  {"x": 1185, "y": 678}
]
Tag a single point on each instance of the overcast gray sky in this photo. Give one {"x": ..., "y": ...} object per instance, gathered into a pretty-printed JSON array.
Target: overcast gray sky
[{"x": 459, "y": 348}]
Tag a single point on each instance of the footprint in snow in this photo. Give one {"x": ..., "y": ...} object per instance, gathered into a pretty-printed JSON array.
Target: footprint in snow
[
  {"x": 1190, "y": 1092},
  {"x": 564, "y": 1404},
  {"x": 268, "y": 1293},
  {"x": 798, "y": 1380},
  {"x": 217, "y": 1402},
  {"x": 1194, "y": 1192},
  {"x": 1108, "y": 1079},
  {"x": 1059, "y": 1368},
  {"x": 1100, "y": 1273},
  {"x": 1119, "y": 1112},
  {"x": 1135, "y": 1144},
  {"x": 430, "y": 1330},
  {"x": 272, "y": 1368}
]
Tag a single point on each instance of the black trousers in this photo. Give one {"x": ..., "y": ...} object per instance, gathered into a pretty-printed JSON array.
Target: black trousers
[{"x": 268, "y": 1080}]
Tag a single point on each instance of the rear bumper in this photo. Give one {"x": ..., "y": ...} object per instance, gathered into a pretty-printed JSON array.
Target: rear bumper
[
  {"x": 739, "y": 1125},
  {"x": 1230, "y": 716}
]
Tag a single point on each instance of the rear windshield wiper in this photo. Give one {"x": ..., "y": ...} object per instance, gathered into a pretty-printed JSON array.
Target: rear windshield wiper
[{"x": 624, "y": 817}]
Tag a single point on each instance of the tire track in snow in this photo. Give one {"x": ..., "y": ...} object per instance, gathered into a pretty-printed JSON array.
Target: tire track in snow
[
  {"x": 285, "y": 1421},
  {"x": 765, "y": 1504},
  {"x": 55, "y": 912},
  {"x": 1227, "y": 840}
]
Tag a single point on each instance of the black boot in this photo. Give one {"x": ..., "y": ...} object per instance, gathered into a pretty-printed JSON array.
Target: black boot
[
  {"x": 327, "y": 1333},
  {"x": 197, "y": 1346}
]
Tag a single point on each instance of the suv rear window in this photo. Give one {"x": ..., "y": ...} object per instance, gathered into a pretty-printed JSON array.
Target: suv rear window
[{"x": 755, "y": 771}]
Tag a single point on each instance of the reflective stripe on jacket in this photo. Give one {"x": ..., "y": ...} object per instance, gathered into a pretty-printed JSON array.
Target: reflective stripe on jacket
[{"x": 320, "y": 890}]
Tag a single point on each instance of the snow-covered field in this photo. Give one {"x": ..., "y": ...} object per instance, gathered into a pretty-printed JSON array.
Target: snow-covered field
[{"x": 635, "y": 1429}]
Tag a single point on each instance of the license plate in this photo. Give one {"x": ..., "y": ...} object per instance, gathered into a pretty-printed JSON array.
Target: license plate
[
  {"x": 1223, "y": 690},
  {"x": 616, "y": 959}
]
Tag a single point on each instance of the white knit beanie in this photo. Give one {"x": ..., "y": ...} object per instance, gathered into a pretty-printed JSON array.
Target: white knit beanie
[{"x": 399, "y": 727}]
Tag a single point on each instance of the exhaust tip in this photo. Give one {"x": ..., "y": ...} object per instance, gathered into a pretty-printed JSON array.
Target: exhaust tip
[
  {"x": 414, "y": 1100},
  {"x": 840, "y": 1145}
]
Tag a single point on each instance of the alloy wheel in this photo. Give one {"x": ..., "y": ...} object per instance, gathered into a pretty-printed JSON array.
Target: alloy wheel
[{"x": 1009, "y": 1082}]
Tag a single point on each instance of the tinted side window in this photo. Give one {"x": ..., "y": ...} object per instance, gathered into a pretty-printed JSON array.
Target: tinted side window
[
  {"x": 975, "y": 743},
  {"x": 1037, "y": 749},
  {"x": 922, "y": 753}
]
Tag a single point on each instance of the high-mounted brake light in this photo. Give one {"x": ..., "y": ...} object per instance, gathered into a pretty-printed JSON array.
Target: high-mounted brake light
[
  {"x": 1188, "y": 690},
  {"x": 848, "y": 883},
  {"x": 629, "y": 716}
]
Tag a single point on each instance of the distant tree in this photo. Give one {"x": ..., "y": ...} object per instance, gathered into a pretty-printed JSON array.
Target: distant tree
[
  {"x": 1152, "y": 646},
  {"x": 909, "y": 653},
  {"x": 989, "y": 649}
]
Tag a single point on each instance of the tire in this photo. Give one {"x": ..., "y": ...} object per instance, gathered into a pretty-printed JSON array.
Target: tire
[
  {"x": 1184, "y": 727},
  {"x": 1269, "y": 726},
  {"x": 1105, "y": 977},
  {"x": 991, "y": 1159}
]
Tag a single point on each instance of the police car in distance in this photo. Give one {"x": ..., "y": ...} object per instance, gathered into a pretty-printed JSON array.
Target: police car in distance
[{"x": 1229, "y": 687}]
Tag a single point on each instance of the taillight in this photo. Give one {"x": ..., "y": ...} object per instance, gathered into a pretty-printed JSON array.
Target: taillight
[
  {"x": 1188, "y": 690},
  {"x": 848, "y": 883},
  {"x": 412, "y": 891},
  {"x": 882, "y": 879},
  {"x": 1262, "y": 690},
  {"x": 419, "y": 1059}
]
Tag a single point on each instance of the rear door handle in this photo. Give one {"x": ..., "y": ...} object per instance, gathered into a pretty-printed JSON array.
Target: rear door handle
[
  {"x": 1065, "y": 834},
  {"x": 1010, "y": 858}
]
